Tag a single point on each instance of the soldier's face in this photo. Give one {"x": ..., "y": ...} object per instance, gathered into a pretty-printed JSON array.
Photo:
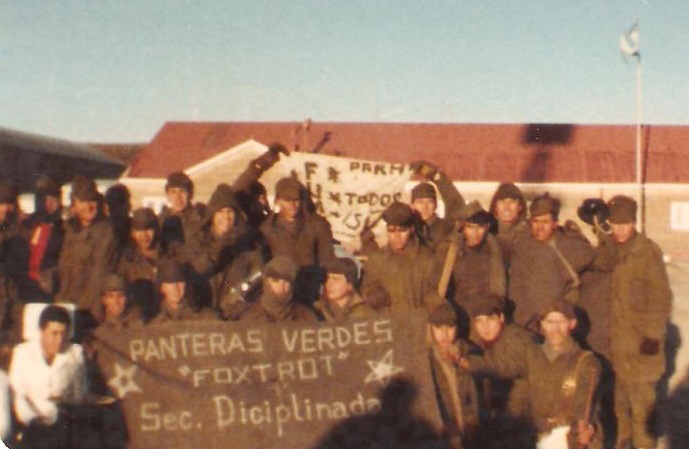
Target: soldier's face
[
  {"x": 280, "y": 288},
  {"x": 337, "y": 287},
  {"x": 489, "y": 327},
  {"x": 143, "y": 238},
  {"x": 474, "y": 234},
  {"x": 398, "y": 237},
  {"x": 542, "y": 226},
  {"x": 556, "y": 328},
  {"x": 622, "y": 232},
  {"x": 223, "y": 220},
  {"x": 52, "y": 203},
  {"x": 85, "y": 211},
  {"x": 173, "y": 292},
  {"x": 113, "y": 303},
  {"x": 288, "y": 208},
  {"x": 53, "y": 339},
  {"x": 426, "y": 207},
  {"x": 443, "y": 335},
  {"x": 177, "y": 198},
  {"x": 507, "y": 210}
]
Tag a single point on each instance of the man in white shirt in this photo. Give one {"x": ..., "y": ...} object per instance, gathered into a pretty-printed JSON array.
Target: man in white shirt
[{"x": 46, "y": 373}]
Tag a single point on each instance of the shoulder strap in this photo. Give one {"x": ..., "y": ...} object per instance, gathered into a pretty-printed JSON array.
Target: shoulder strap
[{"x": 576, "y": 282}]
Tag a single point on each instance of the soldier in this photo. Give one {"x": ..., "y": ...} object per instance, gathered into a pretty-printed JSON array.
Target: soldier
[
  {"x": 478, "y": 270},
  {"x": 182, "y": 217},
  {"x": 45, "y": 233},
  {"x": 340, "y": 301},
  {"x": 176, "y": 299},
  {"x": 116, "y": 311},
  {"x": 276, "y": 303},
  {"x": 404, "y": 274},
  {"x": 425, "y": 202},
  {"x": 117, "y": 209},
  {"x": 641, "y": 305},
  {"x": 455, "y": 389},
  {"x": 546, "y": 262},
  {"x": 503, "y": 398},
  {"x": 13, "y": 262},
  {"x": 509, "y": 208},
  {"x": 251, "y": 194},
  {"x": 88, "y": 251},
  {"x": 303, "y": 236},
  {"x": 223, "y": 253},
  {"x": 561, "y": 379}
]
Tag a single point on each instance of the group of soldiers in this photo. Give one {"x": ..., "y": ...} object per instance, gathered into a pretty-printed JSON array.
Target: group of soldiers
[{"x": 507, "y": 290}]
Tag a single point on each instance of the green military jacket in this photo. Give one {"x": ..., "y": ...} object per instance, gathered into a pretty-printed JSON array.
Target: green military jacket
[
  {"x": 355, "y": 308},
  {"x": 641, "y": 304},
  {"x": 538, "y": 275},
  {"x": 88, "y": 255},
  {"x": 408, "y": 278}
]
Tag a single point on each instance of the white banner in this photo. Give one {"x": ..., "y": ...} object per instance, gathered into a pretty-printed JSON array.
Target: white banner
[{"x": 347, "y": 191}]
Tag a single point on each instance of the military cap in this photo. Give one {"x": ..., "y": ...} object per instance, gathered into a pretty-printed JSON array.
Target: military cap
[
  {"x": 84, "y": 189},
  {"x": 282, "y": 267},
  {"x": 144, "y": 218},
  {"x": 48, "y": 187},
  {"x": 485, "y": 305},
  {"x": 170, "y": 271},
  {"x": 558, "y": 305},
  {"x": 545, "y": 204},
  {"x": 398, "y": 214},
  {"x": 8, "y": 193},
  {"x": 443, "y": 315},
  {"x": 346, "y": 266},
  {"x": 508, "y": 190},
  {"x": 622, "y": 210},
  {"x": 113, "y": 283},
  {"x": 423, "y": 190},
  {"x": 288, "y": 189},
  {"x": 181, "y": 180}
]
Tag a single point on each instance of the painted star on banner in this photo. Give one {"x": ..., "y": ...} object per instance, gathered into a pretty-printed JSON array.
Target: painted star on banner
[
  {"x": 382, "y": 370},
  {"x": 123, "y": 381}
]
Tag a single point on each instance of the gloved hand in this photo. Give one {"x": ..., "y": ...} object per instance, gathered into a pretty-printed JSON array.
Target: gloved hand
[
  {"x": 425, "y": 169},
  {"x": 277, "y": 148},
  {"x": 649, "y": 346}
]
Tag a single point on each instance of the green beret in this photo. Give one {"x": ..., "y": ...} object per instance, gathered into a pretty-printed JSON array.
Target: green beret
[
  {"x": 545, "y": 204},
  {"x": 346, "y": 266},
  {"x": 282, "y": 267},
  {"x": 170, "y": 271},
  {"x": 113, "y": 283},
  {"x": 144, "y": 218},
  {"x": 558, "y": 305},
  {"x": 443, "y": 315},
  {"x": 398, "y": 214},
  {"x": 622, "y": 210},
  {"x": 423, "y": 190},
  {"x": 288, "y": 189},
  {"x": 84, "y": 189}
]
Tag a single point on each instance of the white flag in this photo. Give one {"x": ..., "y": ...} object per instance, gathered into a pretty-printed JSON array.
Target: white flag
[{"x": 629, "y": 42}]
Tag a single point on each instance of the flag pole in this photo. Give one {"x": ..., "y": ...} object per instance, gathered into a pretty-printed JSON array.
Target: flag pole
[{"x": 641, "y": 218}]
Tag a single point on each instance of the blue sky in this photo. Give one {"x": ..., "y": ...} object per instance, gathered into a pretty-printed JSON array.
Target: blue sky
[{"x": 117, "y": 70}]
